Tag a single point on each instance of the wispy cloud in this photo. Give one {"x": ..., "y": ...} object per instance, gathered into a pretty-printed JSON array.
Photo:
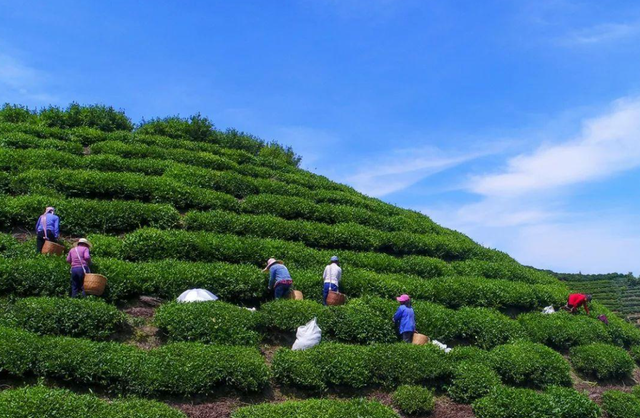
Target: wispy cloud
[
  {"x": 526, "y": 209},
  {"x": 600, "y": 33},
  {"x": 20, "y": 82},
  {"x": 607, "y": 145},
  {"x": 402, "y": 168}
]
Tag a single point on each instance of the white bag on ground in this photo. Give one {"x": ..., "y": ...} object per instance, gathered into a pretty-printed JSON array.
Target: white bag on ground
[
  {"x": 441, "y": 346},
  {"x": 196, "y": 295},
  {"x": 307, "y": 336},
  {"x": 548, "y": 310}
]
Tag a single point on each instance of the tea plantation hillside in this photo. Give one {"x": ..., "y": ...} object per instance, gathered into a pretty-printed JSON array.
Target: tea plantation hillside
[{"x": 172, "y": 204}]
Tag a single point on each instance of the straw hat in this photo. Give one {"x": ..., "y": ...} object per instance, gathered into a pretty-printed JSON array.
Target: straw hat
[
  {"x": 84, "y": 241},
  {"x": 270, "y": 262}
]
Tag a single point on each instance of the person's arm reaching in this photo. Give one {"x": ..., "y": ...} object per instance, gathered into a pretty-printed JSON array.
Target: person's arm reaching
[
  {"x": 38, "y": 223},
  {"x": 586, "y": 308},
  {"x": 87, "y": 257},
  {"x": 398, "y": 315},
  {"x": 69, "y": 257},
  {"x": 272, "y": 277},
  {"x": 56, "y": 226},
  {"x": 326, "y": 273}
]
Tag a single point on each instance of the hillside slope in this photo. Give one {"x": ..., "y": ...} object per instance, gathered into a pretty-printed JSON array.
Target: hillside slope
[{"x": 173, "y": 204}]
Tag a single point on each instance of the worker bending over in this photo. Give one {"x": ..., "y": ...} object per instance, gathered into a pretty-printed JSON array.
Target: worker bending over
[
  {"x": 79, "y": 258},
  {"x": 332, "y": 275},
  {"x": 577, "y": 300},
  {"x": 404, "y": 319},
  {"x": 47, "y": 228},
  {"x": 279, "y": 278}
]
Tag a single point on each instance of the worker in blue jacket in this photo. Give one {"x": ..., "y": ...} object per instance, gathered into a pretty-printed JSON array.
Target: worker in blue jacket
[
  {"x": 404, "y": 319},
  {"x": 47, "y": 228},
  {"x": 279, "y": 278}
]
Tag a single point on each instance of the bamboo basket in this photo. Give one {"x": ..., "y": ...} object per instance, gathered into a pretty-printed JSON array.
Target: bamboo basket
[
  {"x": 52, "y": 248},
  {"x": 94, "y": 284},
  {"x": 335, "y": 298},
  {"x": 420, "y": 339},
  {"x": 295, "y": 294}
]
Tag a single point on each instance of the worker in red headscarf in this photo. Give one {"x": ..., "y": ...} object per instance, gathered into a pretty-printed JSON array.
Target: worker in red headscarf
[{"x": 576, "y": 300}]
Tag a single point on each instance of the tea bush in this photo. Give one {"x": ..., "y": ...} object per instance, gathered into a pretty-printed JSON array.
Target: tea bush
[
  {"x": 572, "y": 404},
  {"x": 82, "y": 216},
  {"x": 530, "y": 364},
  {"x": 24, "y": 141},
  {"x": 200, "y": 246},
  {"x": 563, "y": 330},
  {"x": 472, "y": 381},
  {"x": 618, "y": 404},
  {"x": 209, "y": 322},
  {"x": 414, "y": 400},
  {"x": 88, "y": 318},
  {"x": 314, "y": 408},
  {"x": 635, "y": 353},
  {"x": 105, "y": 118},
  {"x": 195, "y": 158},
  {"x": 96, "y": 184},
  {"x": 331, "y": 364},
  {"x": 42, "y": 402},
  {"x": 602, "y": 361},
  {"x": 515, "y": 403},
  {"x": 179, "y": 369}
]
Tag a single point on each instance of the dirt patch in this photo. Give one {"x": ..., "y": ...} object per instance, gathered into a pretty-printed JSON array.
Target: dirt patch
[
  {"x": 595, "y": 389},
  {"x": 446, "y": 408},
  {"x": 217, "y": 409},
  {"x": 140, "y": 311}
]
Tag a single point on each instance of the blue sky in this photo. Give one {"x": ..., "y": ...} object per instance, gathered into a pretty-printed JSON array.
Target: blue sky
[{"x": 516, "y": 122}]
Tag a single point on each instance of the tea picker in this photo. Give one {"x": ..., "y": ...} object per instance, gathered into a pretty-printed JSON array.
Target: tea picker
[
  {"x": 84, "y": 282},
  {"x": 331, "y": 276},
  {"x": 47, "y": 233},
  {"x": 575, "y": 301},
  {"x": 405, "y": 321},
  {"x": 280, "y": 280}
]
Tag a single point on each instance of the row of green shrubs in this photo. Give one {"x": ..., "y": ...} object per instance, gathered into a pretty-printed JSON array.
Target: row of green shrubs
[
  {"x": 200, "y": 246},
  {"x": 96, "y": 184},
  {"x": 104, "y": 118},
  {"x": 344, "y": 236},
  {"x": 82, "y": 216},
  {"x": 314, "y": 408},
  {"x": 25, "y": 141},
  {"x": 362, "y": 321},
  {"x": 43, "y": 402},
  {"x": 563, "y": 330},
  {"x": 338, "y": 365},
  {"x": 555, "y": 402},
  {"x": 87, "y": 318},
  {"x": 243, "y": 283},
  {"x": 180, "y": 369}
]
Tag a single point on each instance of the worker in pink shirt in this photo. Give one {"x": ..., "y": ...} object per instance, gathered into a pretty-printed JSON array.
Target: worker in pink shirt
[{"x": 79, "y": 258}]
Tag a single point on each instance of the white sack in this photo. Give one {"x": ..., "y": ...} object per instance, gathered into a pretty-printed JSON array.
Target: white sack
[
  {"x": 307, "y": 336},
  {"x": 548, "y": 310},
  {"x": 441, "y": 346},
  {"x": 196, "y": 295}
]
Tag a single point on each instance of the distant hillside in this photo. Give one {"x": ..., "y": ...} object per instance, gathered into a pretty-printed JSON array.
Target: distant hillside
[{"x": 619, "y": 292}]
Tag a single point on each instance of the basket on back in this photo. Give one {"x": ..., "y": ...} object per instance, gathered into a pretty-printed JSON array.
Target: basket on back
[
  {"x": 335, "y": 298},
  {"x": 94, "y": 284},
  {"x": 52, "y": 248}
]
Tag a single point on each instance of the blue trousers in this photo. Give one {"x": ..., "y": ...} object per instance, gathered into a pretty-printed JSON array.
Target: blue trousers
[
  {"x": 325, "y": 291},
  {"x": 281, "y": 291},
  {"x": 77, "y": 281}
]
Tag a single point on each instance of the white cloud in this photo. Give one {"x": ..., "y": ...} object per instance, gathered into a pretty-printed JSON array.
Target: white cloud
[
  {"x": 22, "y": 83},
  {"x": 601, "y": 33},
  {"x": 527, "y": 208},
  {"x": 607, "y": 145},
  {"x": 402, "y": 168}
]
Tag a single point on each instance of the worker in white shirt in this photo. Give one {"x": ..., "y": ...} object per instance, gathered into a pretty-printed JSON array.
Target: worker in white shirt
[{"x": 332, "y": 275}]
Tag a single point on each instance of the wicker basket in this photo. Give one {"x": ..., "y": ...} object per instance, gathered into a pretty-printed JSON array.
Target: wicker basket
[
  {"x": 335, "y": 298},
  {"x": 420, "y": 339},
  {"x": 94, "y": 284},
  {"x": 296, "y": 295},
  {"x": 52, "y": 248}
]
